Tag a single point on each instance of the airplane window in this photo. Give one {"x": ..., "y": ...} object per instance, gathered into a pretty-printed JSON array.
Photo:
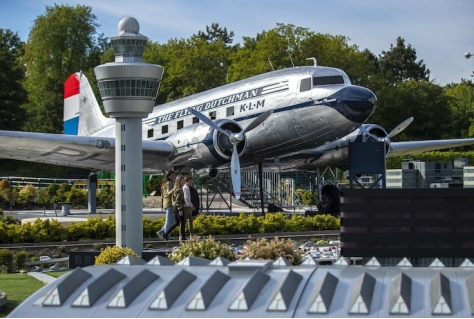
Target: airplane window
[
  {"x": 195, "y": 120},
  {"x": 213, "y": 115},
  {"x": 180, "y": 125},
  {"x": 305, "y": 85},
  {"x": 327, "y": 80},
  {"x": 164, "y": 129},
  {"x": 230, "y": 111},
  {"x": 150, "y": 133}
]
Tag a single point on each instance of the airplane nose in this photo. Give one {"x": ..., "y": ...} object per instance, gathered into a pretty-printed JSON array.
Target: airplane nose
[{"x": 356, "y": 103}]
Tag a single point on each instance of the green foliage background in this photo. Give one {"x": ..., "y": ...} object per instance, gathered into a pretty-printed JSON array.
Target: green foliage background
[{"x": 98, "y": 228}]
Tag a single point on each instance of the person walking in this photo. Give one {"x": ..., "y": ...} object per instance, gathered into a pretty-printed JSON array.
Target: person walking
[
  {"x": 189, "y": 208},
  {"x": 178, "y": 202},
  {"x": 167, "y": 189}
]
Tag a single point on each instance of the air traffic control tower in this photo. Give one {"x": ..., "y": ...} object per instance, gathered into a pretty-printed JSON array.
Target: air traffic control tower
[{"x": 128, "y": 88}]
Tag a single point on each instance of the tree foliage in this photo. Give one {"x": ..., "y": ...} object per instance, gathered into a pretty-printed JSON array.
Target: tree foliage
[
  {"x": 215, "y": 33},
  {"x": 461, "y": 106},
  {"x": 61, "y": 42},
  {"x": 399, "y": 63},
  {"x": 423, "y": 100},
  {"x": 12, "y": 73}
]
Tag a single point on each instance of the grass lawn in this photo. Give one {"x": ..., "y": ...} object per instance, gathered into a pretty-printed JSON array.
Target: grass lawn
[{"x": 18, "y": 287}]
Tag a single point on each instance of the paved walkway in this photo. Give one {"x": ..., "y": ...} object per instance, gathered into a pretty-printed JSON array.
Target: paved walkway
[{"x": 42, "y": 277}]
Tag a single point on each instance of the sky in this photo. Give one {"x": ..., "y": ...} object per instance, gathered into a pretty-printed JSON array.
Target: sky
[{"x": 440, "y": 31}]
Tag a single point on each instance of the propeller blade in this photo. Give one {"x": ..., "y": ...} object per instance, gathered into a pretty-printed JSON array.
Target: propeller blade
[
  {"x": 208, "y": 121},
  {"x": 259, "y": 120},
  {"x": 400, "y": 127},
  {"x": 235, "y": 172}
]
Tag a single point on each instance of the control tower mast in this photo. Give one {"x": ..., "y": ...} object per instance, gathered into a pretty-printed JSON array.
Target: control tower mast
[{"x": 128, "y": 88}]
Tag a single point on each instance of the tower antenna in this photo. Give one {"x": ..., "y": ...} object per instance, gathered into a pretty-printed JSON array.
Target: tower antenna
[
  {"x": 290, "y": 58},
  {"x": 271, "y": 64}
]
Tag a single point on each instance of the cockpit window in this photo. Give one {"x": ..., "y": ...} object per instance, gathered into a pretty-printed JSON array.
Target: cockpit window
[
  {"x": 330, "y": 76},
  {"x": 327, "y": 80}
]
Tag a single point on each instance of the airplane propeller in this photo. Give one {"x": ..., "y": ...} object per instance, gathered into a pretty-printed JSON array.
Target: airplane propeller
[
  {"x": 387, "y": 139},
  {"x": 234, "y": 139}
]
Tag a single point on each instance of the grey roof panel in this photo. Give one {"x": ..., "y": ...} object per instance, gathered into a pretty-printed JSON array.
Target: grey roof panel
[
  {"x": 323, "y": 294},
  {"x": 58, "y": 295},
  {"x": 172, "y": 290},
  {"x": 285, "y": 292},
  {"x": 361, "y": 298},
  {"x": 470, "y": 292},
  {"x": 246, "y": 297},
  {"x": 208, "y": 291},
  {"x": 440, "y": 295},
  {"x": 97, "y": 288},
  {"x": 314, "y": 285},
  {"x": 124, "y": 297},
  {"x": 160, "y": 261},
  {"x": 400, "y": 295}
]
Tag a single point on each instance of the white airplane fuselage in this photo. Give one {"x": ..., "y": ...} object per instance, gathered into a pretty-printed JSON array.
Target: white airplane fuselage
[{"x": 311, "y": 106}]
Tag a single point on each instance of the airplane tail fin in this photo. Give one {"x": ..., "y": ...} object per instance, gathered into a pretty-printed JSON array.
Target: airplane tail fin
[{"x": 82, "y": 114}]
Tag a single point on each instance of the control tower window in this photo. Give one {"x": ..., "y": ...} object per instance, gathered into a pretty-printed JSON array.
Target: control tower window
[
  {"x": 305, "y": 85},
  {"x": 213, "y": 115},
  {"x": 180, "y": 125},
  {"x": 164, "y": 129}
]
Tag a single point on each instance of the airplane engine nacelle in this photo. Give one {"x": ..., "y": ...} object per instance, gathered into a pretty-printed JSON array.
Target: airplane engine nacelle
[
  {"x": 199, "y": 145},
  {"x": 336, "y": 154},
  {"x": 375, "y": 129}
]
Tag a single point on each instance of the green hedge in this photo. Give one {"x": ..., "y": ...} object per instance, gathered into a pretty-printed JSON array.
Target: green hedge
[{"x": 97, "y": 228}]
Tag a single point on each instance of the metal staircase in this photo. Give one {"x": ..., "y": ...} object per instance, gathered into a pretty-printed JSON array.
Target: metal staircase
[{"x": 250, "y": 192}]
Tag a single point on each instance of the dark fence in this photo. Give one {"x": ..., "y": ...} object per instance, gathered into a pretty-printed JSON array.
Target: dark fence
[
  {"x": 87, "y": 258},
  {"x": 407, "y": 223}
]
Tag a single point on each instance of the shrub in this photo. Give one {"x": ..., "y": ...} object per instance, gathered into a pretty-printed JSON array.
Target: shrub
[
  {"x": 151, "y": 226},
  {"x": 274, "y": 223},
  {"x": 97, "y": 246},
  {"x": 61, "y": 248},
  {"x": 273, "y": 249},
  {"x": 206, "y": 248},
  {"x": 111, "y": 255},
  {"x": 20, "y": 259},
  {"x": 6, "y": 259},
  {"x": 248, "y": 224}
]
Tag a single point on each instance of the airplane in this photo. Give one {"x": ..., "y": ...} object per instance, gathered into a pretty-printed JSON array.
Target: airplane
[{"x": 299, "y": 118}]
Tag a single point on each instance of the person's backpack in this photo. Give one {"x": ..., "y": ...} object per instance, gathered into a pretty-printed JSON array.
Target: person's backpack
[{"x": 195, "y": 200}]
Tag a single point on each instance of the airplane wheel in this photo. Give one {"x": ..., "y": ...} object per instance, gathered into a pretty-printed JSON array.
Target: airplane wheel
[{"x": 330, "y": 202}]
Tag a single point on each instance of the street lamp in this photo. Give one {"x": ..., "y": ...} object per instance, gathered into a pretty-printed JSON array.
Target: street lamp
[{"x": 467, "y": 55}]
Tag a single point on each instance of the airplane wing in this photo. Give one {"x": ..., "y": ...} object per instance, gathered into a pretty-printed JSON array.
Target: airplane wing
[
  {"x": 405, "y": 148},
  {"x": 96, "y": 153}
]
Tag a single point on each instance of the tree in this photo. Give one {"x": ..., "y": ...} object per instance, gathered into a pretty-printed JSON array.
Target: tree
[
  {"x": 215, "y": 34},
  {"x": 399, "y": 63},
  {"x": 27, "y": 194},
  {"x": 12, "y": 72},
  {"x": 61, "y": 42},
  {"x": 288, "y": 45},
  {"x": 425, "y": 101},
  {"x": 191, "y": 65},
  {"x": 461, "y": 105}
]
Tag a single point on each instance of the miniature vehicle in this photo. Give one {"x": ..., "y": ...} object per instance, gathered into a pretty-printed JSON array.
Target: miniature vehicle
[
  {"x": 54, "y": 267},
  {"x": 44, "y": 258}
]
